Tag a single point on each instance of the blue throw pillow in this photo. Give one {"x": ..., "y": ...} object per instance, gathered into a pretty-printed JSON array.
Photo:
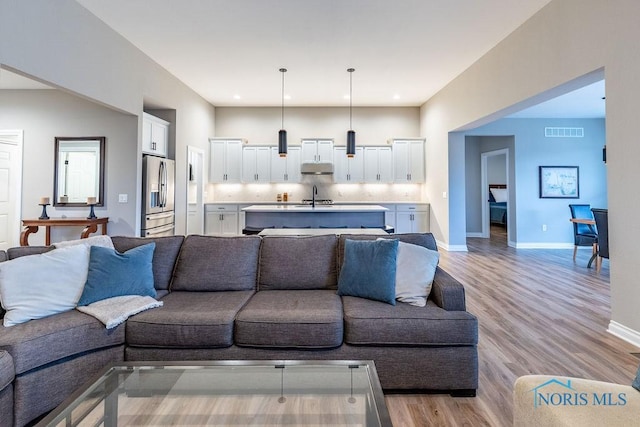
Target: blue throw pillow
[
  {"x": 636, "y": 382},
  {"x": 369, "y": 270},
  {"x": 112, "y": 274}
]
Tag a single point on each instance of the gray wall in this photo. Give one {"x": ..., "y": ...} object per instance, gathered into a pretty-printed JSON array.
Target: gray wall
[
  {"x": 532, "y": 150},
  {"x": 62, "y": 44},
  {"x": 45, "y": 114},
  {"x": 475, "y": 146},
  {"x": 497, "y": 169},
  {"x": 555, "y": 51},
  {"x": 373, "y": 125}
]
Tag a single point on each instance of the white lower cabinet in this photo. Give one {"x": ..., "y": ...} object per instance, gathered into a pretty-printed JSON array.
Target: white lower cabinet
[
  {"x": 221, "y": 220},
  {"x": 412, "y": 218}
]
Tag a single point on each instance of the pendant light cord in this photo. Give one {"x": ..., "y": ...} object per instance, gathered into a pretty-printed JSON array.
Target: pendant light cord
[
  {"x": 350, "y": 70},
  {"x": 283, "y": 70}
]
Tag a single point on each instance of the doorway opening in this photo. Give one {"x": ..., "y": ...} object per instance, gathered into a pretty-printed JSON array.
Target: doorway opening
[{"x": 496, "y": 212}]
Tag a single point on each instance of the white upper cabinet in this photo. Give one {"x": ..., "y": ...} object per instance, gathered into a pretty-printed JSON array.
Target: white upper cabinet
[
  {"x": 225, "y": 163},
  {"x": 408, "y": 158},
  {"x": 155, "y": 135},
  {"x": 285, "y": 169},
  {"x": 348, "y": 169},
  {"x": 317, "y": 151},
  {"x": 378, "y": 164},
  {"x": 256, "y": 163}
]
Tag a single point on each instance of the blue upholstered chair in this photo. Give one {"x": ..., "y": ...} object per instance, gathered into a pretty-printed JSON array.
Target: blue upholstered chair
[
  {"x": 602, "y": 223},
  {"x": 583, "y": 234}
]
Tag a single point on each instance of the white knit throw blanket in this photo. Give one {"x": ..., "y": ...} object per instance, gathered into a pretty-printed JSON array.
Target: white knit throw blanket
[{"x": 114, "y": 311}]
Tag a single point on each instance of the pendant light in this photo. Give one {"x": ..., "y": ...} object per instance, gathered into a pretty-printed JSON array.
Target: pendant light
[
  {"x": 351, "y": 134},
  {"x": 282, "y": 135}
]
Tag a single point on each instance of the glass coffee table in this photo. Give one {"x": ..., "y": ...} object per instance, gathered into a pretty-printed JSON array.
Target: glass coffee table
[{"x": 228, "y": 393}]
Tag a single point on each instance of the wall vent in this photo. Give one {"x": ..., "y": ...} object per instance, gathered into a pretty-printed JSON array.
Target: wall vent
[{"x": 557, "y": 132}]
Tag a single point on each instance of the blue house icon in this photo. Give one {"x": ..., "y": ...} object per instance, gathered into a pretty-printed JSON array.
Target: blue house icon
[{"x": 536, "y": 391}]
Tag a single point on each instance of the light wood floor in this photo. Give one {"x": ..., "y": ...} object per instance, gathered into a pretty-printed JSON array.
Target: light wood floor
[{"x": 539, "y": 313}]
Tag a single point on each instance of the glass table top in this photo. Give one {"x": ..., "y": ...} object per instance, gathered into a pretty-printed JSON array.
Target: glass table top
[{"x": 234, "y": 393}]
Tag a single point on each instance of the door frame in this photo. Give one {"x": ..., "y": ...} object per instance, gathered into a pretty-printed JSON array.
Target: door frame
[
  {"x": 200, "y": 182},
  {"x": 485, "y": 191},
  {"x": 15, "y": 137}
]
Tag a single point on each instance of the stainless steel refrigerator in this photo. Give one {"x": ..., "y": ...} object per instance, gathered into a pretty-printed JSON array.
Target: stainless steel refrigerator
[{"x": 158, "y": 185}]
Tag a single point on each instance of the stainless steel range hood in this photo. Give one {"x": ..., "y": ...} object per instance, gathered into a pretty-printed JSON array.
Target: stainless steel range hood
[{"x": 316, "y": 168}]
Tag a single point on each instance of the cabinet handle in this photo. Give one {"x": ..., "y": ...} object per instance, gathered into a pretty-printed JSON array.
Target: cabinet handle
[{"x": 221, "y": 217}]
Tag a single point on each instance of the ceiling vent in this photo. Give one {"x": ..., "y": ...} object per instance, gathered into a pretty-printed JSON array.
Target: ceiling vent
[{"x": 557, "y": 132}]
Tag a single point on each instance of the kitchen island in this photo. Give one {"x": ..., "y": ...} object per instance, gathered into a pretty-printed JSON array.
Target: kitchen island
[{"x": 319, "y": 216}]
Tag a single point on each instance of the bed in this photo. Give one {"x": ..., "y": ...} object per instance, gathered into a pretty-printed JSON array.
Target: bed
[{"x": 498, "y": 204}]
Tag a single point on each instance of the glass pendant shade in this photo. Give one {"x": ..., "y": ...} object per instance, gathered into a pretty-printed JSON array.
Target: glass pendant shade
[
  {"x": 282, "y": 143},
  {"x": 351, "y": 143}
]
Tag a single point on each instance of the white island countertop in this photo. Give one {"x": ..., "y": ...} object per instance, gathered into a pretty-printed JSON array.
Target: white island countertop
[{"x": 317, "y": 208}]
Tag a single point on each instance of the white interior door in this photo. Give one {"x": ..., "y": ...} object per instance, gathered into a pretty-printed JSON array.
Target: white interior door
[{"x": 10, "y": 187}]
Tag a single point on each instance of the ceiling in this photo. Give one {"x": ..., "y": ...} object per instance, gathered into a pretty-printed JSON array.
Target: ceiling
[{"x": 403, "y": 51}]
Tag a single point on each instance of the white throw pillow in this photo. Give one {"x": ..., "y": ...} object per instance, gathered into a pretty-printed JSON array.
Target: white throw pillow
[
  {"x": 37, "y": 286},
  {"x": 415, "y": 269},
  {"x": 499, "y": 194},
  {"x": 104, "y": 241}
]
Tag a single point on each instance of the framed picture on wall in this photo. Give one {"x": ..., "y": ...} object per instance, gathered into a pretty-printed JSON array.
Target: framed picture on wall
[{"x": 559, "y": 182}]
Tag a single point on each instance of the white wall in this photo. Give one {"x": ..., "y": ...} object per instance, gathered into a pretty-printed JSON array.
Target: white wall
[
  {"x": 64, "y": 45},
  {"x": 373, "y": 125},
  {"x": 566, "y": 40},
  {"x": 45, "y": 114},
  {"x": 497, "y": 169}
]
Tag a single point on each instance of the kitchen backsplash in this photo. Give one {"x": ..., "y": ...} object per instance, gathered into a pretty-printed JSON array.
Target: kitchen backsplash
[{"x": 378, "y": 193}]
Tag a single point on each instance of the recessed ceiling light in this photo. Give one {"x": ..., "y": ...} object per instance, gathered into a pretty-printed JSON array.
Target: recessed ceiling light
[
  {"x": 287, "y": 97},
  {"x": 236, "y": 96},
  {"x": 346, "y": 97},
  {"x": 396, "y": 96}
]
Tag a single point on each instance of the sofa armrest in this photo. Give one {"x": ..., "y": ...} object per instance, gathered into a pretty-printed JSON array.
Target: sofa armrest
[
  {"x": 586, "y": 403},
  {"x": 447, "y": 292}
]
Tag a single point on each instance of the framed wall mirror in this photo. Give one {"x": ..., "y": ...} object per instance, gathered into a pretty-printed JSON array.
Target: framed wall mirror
[{"x": 78, "y": 171}]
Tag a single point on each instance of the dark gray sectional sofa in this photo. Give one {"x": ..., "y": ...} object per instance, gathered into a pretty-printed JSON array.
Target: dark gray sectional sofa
[{"x": 245, "y": 298}]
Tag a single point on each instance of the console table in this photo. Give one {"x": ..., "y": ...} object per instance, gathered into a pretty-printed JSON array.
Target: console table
[{"x": 32, "y": 225}]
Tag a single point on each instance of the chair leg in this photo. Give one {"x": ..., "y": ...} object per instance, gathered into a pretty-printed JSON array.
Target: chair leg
[
  {"x": 575, "y": 250},
  {"x": 598, "y": 264}
]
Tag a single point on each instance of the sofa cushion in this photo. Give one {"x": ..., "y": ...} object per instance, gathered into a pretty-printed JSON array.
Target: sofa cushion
[
  {"x": 164, "y": 256},
  {"x": 291, "y": 319},
  {"x": 7, "y": 371},
  {"x": 188, "y": 320},
  {"x": 369, "y": 270},
  {"x": 370, "y": 322},
  {"x": 298, "y": 263},
  {"x": 213, "y": 263},
  {"x": 113, "y": 274},
  {"x": 18, "y": 251},
  {"x": 39, "y": 342}
]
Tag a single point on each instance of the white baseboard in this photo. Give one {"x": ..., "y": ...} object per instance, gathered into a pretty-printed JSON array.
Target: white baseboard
[
  {"x": 625, "y": 333},
  {"x": 452, "y": 248},
  {"x": 475, "y": 234},
  {"x": 512, "y": 244},
  {"x": 544, "y": 245}
]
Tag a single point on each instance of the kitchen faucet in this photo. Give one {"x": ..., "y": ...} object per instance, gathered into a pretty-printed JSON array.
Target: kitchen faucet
[{"x": 314, "y": 192}]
